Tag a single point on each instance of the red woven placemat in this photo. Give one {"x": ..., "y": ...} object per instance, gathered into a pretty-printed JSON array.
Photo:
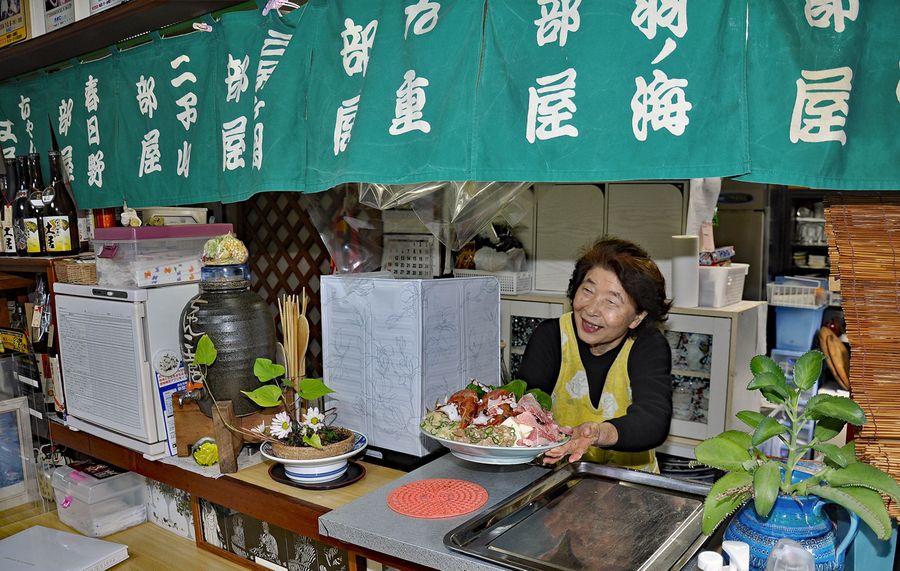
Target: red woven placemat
[{"x": 437, "y": 497}]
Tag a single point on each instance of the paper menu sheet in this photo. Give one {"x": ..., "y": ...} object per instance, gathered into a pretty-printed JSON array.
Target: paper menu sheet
[{"x": 392, "y": 347}]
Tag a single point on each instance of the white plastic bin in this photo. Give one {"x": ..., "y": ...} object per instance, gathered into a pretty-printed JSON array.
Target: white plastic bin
[
  {"x": 98, "y": 507},
  {"x": 722, "y": 285}
]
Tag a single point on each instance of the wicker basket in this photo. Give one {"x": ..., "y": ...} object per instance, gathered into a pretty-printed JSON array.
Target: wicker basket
[{"x": 76, "y": 271}]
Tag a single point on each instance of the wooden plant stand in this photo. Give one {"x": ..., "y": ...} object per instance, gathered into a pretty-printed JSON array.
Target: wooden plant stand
[{"x": 191, "y": 425}]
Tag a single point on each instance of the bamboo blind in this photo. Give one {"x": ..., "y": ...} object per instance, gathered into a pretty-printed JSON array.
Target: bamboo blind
[{"x": 863, "y": 233}]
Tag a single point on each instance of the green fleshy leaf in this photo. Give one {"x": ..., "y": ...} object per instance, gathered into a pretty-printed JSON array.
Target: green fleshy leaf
[
  {"x": 722, "y": 453},
  {"x": 313, "y": 441},
  {"x": 850, "y": 448},
  {"x": 724, "y": 498},
  {"x": 265, "y": 370},
  {"x": 808, "y": 369},
  {"x": 774, "y": 396},
  {"x": 830, "y": 406},
  {"x": 762, "y": 364},
  {"x": 206, "y": 353},
  {"x": 740, "y": 438},
  {"x": 265, "y": 396},
  {"x": 751, "y": 418},
  {"x": 828, "y": 428},
  {"x": 768, "y": 428},
  {"x": 834, "y": 455},
  {"x": 867, "y": 504},
  {"x": 311, "y": 389},
  {"x": 543, "y": 399},
  {"x": 771, "y": 383},
  {"x": 867, "y": 476},
  {"x": 766, "y": 485},
  {"x": 516, "y": 387}
]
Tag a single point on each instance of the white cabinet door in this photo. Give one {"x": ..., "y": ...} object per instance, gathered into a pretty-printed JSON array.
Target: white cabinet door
[
  {"x": 700, "y": 376},
  {"x": 568, "y": 218},
  {"x": 517, "y": 321}
]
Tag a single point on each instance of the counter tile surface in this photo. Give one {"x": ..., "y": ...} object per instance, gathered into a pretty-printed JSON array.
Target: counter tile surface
[{"x": 368, "y": 522}]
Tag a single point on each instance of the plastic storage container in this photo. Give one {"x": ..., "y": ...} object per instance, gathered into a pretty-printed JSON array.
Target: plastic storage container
[
  {"x": 151, "y": 256},
  {"x": 98, "y": 507},
  {"x": 722, "y": 285},
  {"x": 799, "y": 305}
]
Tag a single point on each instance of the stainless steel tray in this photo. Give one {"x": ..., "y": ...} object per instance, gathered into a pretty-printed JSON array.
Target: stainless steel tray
[{"x": 590, "y": 516}]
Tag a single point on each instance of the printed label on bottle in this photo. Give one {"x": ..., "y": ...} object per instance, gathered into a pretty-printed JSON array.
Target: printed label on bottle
[
  {"x": 8, "y": 239},
  {"x": 56, "y": 234},
  {"x": 32, "y": 236},
  {"x": 84, "y": 229}
]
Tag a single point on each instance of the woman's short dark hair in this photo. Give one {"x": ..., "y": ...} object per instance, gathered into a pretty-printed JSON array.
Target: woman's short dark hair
[{"x": 639, "y": 275}]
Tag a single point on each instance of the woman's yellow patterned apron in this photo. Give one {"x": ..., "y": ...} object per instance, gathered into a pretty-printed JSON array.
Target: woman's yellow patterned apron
[{"x": 572, "y": 399}]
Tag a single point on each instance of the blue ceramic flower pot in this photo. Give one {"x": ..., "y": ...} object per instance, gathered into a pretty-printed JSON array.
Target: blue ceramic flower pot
[{"x": 800, "y": 518}]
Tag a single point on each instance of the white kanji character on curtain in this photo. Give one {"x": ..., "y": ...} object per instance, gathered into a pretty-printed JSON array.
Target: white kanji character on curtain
[
  {"x": 95, "y": 169},
  {"x": 150, "y": 154},
  {"x": 558, "y": 18},
  {"x": 650, "y": 14},
  {"x": 65, "y": 115},
  {"x": 820, "y": 13},
  {"x": 91, "y": 94},
  {"x": 146, "y": 97},
  {"x": 423, "y": 16},
  {"x": 188, "y": 114},
  {"x": 236, "y": 78},
  {"x": 234, "y": 143},
  {"x": 821, "y": 106},
  {"x": 343, "y": 124},
  {"x": 662, "y": 104},
  {"x": 550, "y": 105},
  {"x": 357, "y": 43},
  {"x": 183, "y": 167},
  {"x": 410, "y": 104}
]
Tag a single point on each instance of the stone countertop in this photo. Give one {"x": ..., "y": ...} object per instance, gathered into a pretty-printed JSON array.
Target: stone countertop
[{"x": 368, "y": 522}]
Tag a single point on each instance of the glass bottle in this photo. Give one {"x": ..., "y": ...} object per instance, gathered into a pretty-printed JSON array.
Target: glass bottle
[
  {"x": 60, "y": 218},
  {"x": 25, "y": 222},
  {"x": 36, "y": 197},
  {"x": 7, "y": 239}
]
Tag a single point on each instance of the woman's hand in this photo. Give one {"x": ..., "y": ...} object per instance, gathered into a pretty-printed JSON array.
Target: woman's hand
[{"x": 584, "y": 436}]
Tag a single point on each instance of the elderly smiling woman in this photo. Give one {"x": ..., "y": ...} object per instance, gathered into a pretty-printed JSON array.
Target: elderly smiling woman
[{"x": 606, "y": 363}]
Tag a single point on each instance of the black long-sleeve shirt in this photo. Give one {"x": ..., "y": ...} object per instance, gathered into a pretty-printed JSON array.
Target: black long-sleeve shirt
[{"x": 645, "y": 424}]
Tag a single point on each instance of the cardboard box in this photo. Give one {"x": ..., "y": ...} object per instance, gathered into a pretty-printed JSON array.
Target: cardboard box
[{"x": 393, "y": 347}]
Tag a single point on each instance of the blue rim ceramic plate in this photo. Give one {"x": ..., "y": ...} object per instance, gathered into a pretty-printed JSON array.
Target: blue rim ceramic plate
[
  {"x": 497, "y": 455},
  {"x": 359, "y": 444}
]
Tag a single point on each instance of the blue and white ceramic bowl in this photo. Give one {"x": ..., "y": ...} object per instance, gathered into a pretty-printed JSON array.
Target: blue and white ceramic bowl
[{"x": 319, "y": 470}]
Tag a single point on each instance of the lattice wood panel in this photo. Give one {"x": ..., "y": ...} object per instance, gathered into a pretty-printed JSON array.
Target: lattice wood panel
[
  {"x": 286, "y": 254},
  {"x": 864, "y": 244}
]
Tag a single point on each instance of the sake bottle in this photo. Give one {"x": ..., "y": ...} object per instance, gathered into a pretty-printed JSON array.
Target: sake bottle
[
  {"x": 36, "y": 197},
  {"x": 60, "y": 217},
  {"x": 7, "y": 239},
  {"x": 25, "y": 222}
]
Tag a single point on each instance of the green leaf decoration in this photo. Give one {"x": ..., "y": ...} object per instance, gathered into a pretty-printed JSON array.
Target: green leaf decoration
[
  {"x": 828, "y": 428},
  {"x": 724, "y": 498},
  {"x": 265, "y": 370},
  {"x": 477, "y": 388},
  {"x": 265, "y": 396},
  {"x": 808, "y": 369},
  {"x": 206, "y": 353},
  {"x": 722, "y": 453},
  {"x": 311, "y": 389},
  {"x": 762, "y": 364},
  {"x": 867, "y": 476},
  {"x": 867, "y": 504},
  {"x": 768, "y": 428},
  {"x": 831, "y": 406},
  {"x": 516, "y": 387},
  {"x": 834, "y": 455},
  {"x": 313, "y": 441},
  {"x": 774, "y": 396},
  {"x": 542, "y": 398},
  {"x": 751, "y": 418},
  {"x": 771, "y": 383},
  {"x": 766, "y": 485},
  {"x": 850, "y": 448},
  {"x": 742, "y": 439}
]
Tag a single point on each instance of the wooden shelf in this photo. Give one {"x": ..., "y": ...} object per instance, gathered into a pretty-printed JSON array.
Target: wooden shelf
[{"x": 101, "y": 30}]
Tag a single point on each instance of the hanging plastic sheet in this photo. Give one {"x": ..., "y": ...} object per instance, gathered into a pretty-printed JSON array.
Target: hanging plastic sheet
[
  {"x": 350, "y": 230},
  {"x": 453, "y": 211}
]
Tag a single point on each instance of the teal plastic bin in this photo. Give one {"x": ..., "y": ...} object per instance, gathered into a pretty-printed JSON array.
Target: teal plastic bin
[{"x": 795, "y": 327}]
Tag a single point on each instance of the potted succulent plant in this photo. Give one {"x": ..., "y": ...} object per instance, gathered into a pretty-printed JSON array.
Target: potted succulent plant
[
  {"x": 785, "y": 497},
  {"x": 310, "y": 448}
]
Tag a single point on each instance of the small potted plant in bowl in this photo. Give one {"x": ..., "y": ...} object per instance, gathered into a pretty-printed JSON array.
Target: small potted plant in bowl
[
  {"x": 775, "y": 497},
  {"x": 311, "y": 449}
]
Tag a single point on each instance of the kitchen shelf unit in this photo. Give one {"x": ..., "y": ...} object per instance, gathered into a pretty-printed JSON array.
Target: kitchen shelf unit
[{"x": 519, "y": 315}]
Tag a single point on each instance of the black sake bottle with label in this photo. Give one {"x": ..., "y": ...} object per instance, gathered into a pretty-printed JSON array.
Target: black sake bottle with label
[{"x": 60, "y": 218}]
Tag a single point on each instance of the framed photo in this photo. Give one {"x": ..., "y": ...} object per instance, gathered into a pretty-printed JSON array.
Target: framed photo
[{"x": 17, "y": 483}]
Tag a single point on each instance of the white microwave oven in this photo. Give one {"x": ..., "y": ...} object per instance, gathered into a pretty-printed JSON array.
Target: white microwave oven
[{"x": 121, "y": 362}]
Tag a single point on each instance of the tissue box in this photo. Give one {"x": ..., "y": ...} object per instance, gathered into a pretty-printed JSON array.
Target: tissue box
[
  {"x": 101, "y": 502},
  {"x": 393, "y": 347}
]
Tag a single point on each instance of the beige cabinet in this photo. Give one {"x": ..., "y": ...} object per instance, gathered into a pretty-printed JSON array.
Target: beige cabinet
[{"x": 519, "y": 315}]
